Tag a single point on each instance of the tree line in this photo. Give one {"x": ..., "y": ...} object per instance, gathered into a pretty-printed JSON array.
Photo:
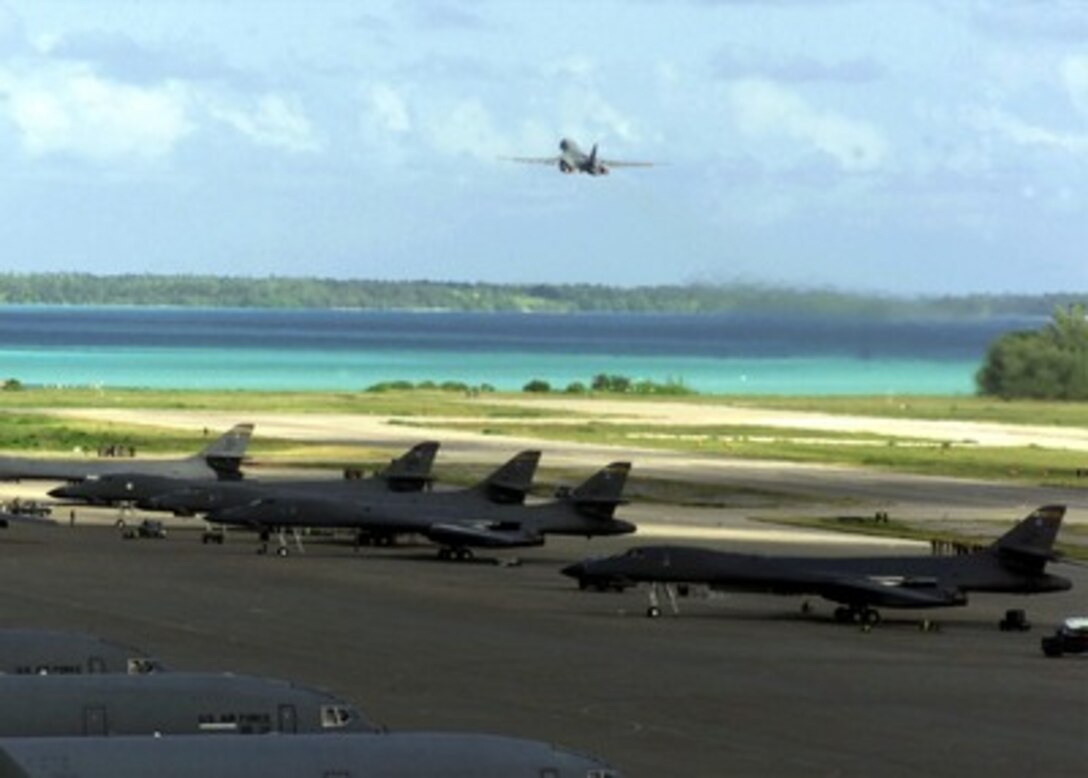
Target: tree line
[{"x": 326, "y": 293}]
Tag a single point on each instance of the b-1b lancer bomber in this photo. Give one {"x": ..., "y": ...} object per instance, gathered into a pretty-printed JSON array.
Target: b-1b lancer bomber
[
  {"x": 571, "y": 159},
  {"x": 393, "y": 755},
  {"x": 190, "y": 496},
  {"x": 1015, "y": 563},
  {"x": 458, "y": 521},
  {"x": 222, "y": 459}
]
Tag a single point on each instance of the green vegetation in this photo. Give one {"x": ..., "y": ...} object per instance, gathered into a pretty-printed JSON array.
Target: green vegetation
[
  {"x": 29, "y": 425},
  {"x": 613, "y": 385},
  {"x": 1046, "y": 364},
  {"x": 273, "y": 292},
  {"x": 927, "y": 457}
]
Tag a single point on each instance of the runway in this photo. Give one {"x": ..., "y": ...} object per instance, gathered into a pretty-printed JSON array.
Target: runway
[{"x": 743, "y": 685}]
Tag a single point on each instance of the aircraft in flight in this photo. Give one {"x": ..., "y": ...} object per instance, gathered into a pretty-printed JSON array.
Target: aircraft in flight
[
  {"x": 167, "y": 704},
  {"x": 222, "y": 459},
  {"x": 430, "y": 754},
  {"x": 1015, "y": 563},
  {"x": 571, "y": 159},
  {"x": 457, "y": 521},
  {"x": 190, "y": 496},
  {"x": 61, "y": 652}
]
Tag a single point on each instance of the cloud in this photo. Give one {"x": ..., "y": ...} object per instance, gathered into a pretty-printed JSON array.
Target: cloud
[
  {"x": 763, "y": 109},
  {"x": 122, "y": 58},
  {"x": 443, "y": 15},
  {"x": 12, "y": 36},
  {"x": 1023, "y": 133},
  {"x": 272, "y": 120},
  {"x": 1056, "y": 20},
  {"x": 732, "y": 64},
  {"x": 68, "y": 109},
  {"x": 388, "y": 108},
  {"x": 1075, "y": 78}
]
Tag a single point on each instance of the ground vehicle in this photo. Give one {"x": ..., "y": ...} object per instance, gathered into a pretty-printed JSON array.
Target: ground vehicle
[
  {"x": 1070, "y": 638},
  {"x": 148, "y": 528}
]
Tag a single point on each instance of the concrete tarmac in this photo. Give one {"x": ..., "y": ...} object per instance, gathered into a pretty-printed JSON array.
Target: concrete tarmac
[{"x": 738, "y": 685}]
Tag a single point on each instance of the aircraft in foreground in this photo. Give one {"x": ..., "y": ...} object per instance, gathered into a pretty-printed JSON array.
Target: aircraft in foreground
[
  {"x": 57, "y": 652},
  {"x": 1015, "y": 563},
  {"x": 167, "y": 704},
  {"x": 423, "y": 754},
  {"x": 190, "y": 496},
  {"x": 457, "y": 521},
  {"x": 571, "y": 159},
  {"x": 222, "y": 459}
]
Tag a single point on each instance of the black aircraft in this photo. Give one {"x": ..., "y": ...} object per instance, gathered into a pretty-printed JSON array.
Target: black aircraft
[
  {"x": 167, "y": 704},
  {"x": 55, "y": 652},
  {"x": 190, "y": 496},
  {"x": 424, "y": 754},
  {"x": 1015, "y": 563},
  {"x": 222, "y": 459},
  {"x": 490, "y": 517}
]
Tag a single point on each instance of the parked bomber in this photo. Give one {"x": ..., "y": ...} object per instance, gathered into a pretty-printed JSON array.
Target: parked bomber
[
  {"x": 1015, "y": 563},
  {"x": 167, "y": 703},
  {"x": 222, "y": 459},
  {"x": 191, "y": 496},
  {"x": 57, "y": 652},
  {"x": 571, "y": 159},
  {"x": 457, "y": 521},
  {"x": 415, "y": 754}
]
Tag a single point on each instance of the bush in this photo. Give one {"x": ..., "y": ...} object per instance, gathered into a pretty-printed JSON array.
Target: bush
[
  {"x": 1046, "y": 364},
  {"x": 537, "y": 385}
]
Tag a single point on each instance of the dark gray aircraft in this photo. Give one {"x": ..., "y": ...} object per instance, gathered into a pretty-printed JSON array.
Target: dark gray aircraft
[
  {"x": 393, "y": 755},
  {"x": 189, "y": 496},
  {"x": 1015, "y": 563},
  {"x": 7, "y": 519},
  {"x": 55, "y": 652},
  {"x": 457, "y": 521},
  {"x": 167, "y": 703},
  {"x": 221, "y": 459},
  {"x": 571, "y": 159}
]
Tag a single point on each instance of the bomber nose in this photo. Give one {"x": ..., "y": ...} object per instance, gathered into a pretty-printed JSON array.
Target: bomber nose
[
  {"x": 576, "y": 570},
  {"x": 63, "y": 492},
  {"x": 624, "y": 527}
]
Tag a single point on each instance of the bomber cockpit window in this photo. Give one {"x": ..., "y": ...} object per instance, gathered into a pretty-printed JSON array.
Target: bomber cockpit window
[{"x": 336, "y": 716}]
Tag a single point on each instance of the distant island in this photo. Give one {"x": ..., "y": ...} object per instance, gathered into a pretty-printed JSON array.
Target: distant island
[{"x": 325, "y": 293}]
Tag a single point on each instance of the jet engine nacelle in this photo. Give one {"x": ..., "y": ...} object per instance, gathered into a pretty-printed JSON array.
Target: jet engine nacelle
[{"x": 565, "y": 167}]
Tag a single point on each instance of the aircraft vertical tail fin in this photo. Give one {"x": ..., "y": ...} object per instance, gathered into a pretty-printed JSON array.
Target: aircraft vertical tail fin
[
  {"x": 510, "y": 483},
  {"x": 593, "y": 157},
  {"x": 601, "y": 493},
  {"x": 225, "y": 454},
  {"x": 1031, "y": 542},
  {"x": 411, "y": 471}
]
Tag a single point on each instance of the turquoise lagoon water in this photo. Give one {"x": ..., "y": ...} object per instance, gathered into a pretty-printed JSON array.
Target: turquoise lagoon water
[{"x": 350, "y": 350}]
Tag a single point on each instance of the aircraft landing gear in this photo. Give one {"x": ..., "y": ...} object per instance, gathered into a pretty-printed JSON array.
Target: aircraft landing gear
[
  {"x": 865, "y": 616},
  {"x": 654, "y": 610},
  {"x": 1015, "y": 620},
  {"x": 455, "y": 554}
]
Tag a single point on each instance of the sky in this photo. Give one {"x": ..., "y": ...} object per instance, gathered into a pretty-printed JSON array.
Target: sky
[{"x": 902, "y": 146}]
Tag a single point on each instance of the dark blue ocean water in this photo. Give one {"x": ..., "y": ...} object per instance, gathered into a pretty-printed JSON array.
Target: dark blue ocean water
[{"x": 290, "y": 349}]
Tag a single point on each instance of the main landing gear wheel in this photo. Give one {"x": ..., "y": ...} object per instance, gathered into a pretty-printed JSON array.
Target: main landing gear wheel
[
  {"x": 458, "y": 554},
  {"x": 281, "y": 551},
  {"x": 653, "y": 612}
]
